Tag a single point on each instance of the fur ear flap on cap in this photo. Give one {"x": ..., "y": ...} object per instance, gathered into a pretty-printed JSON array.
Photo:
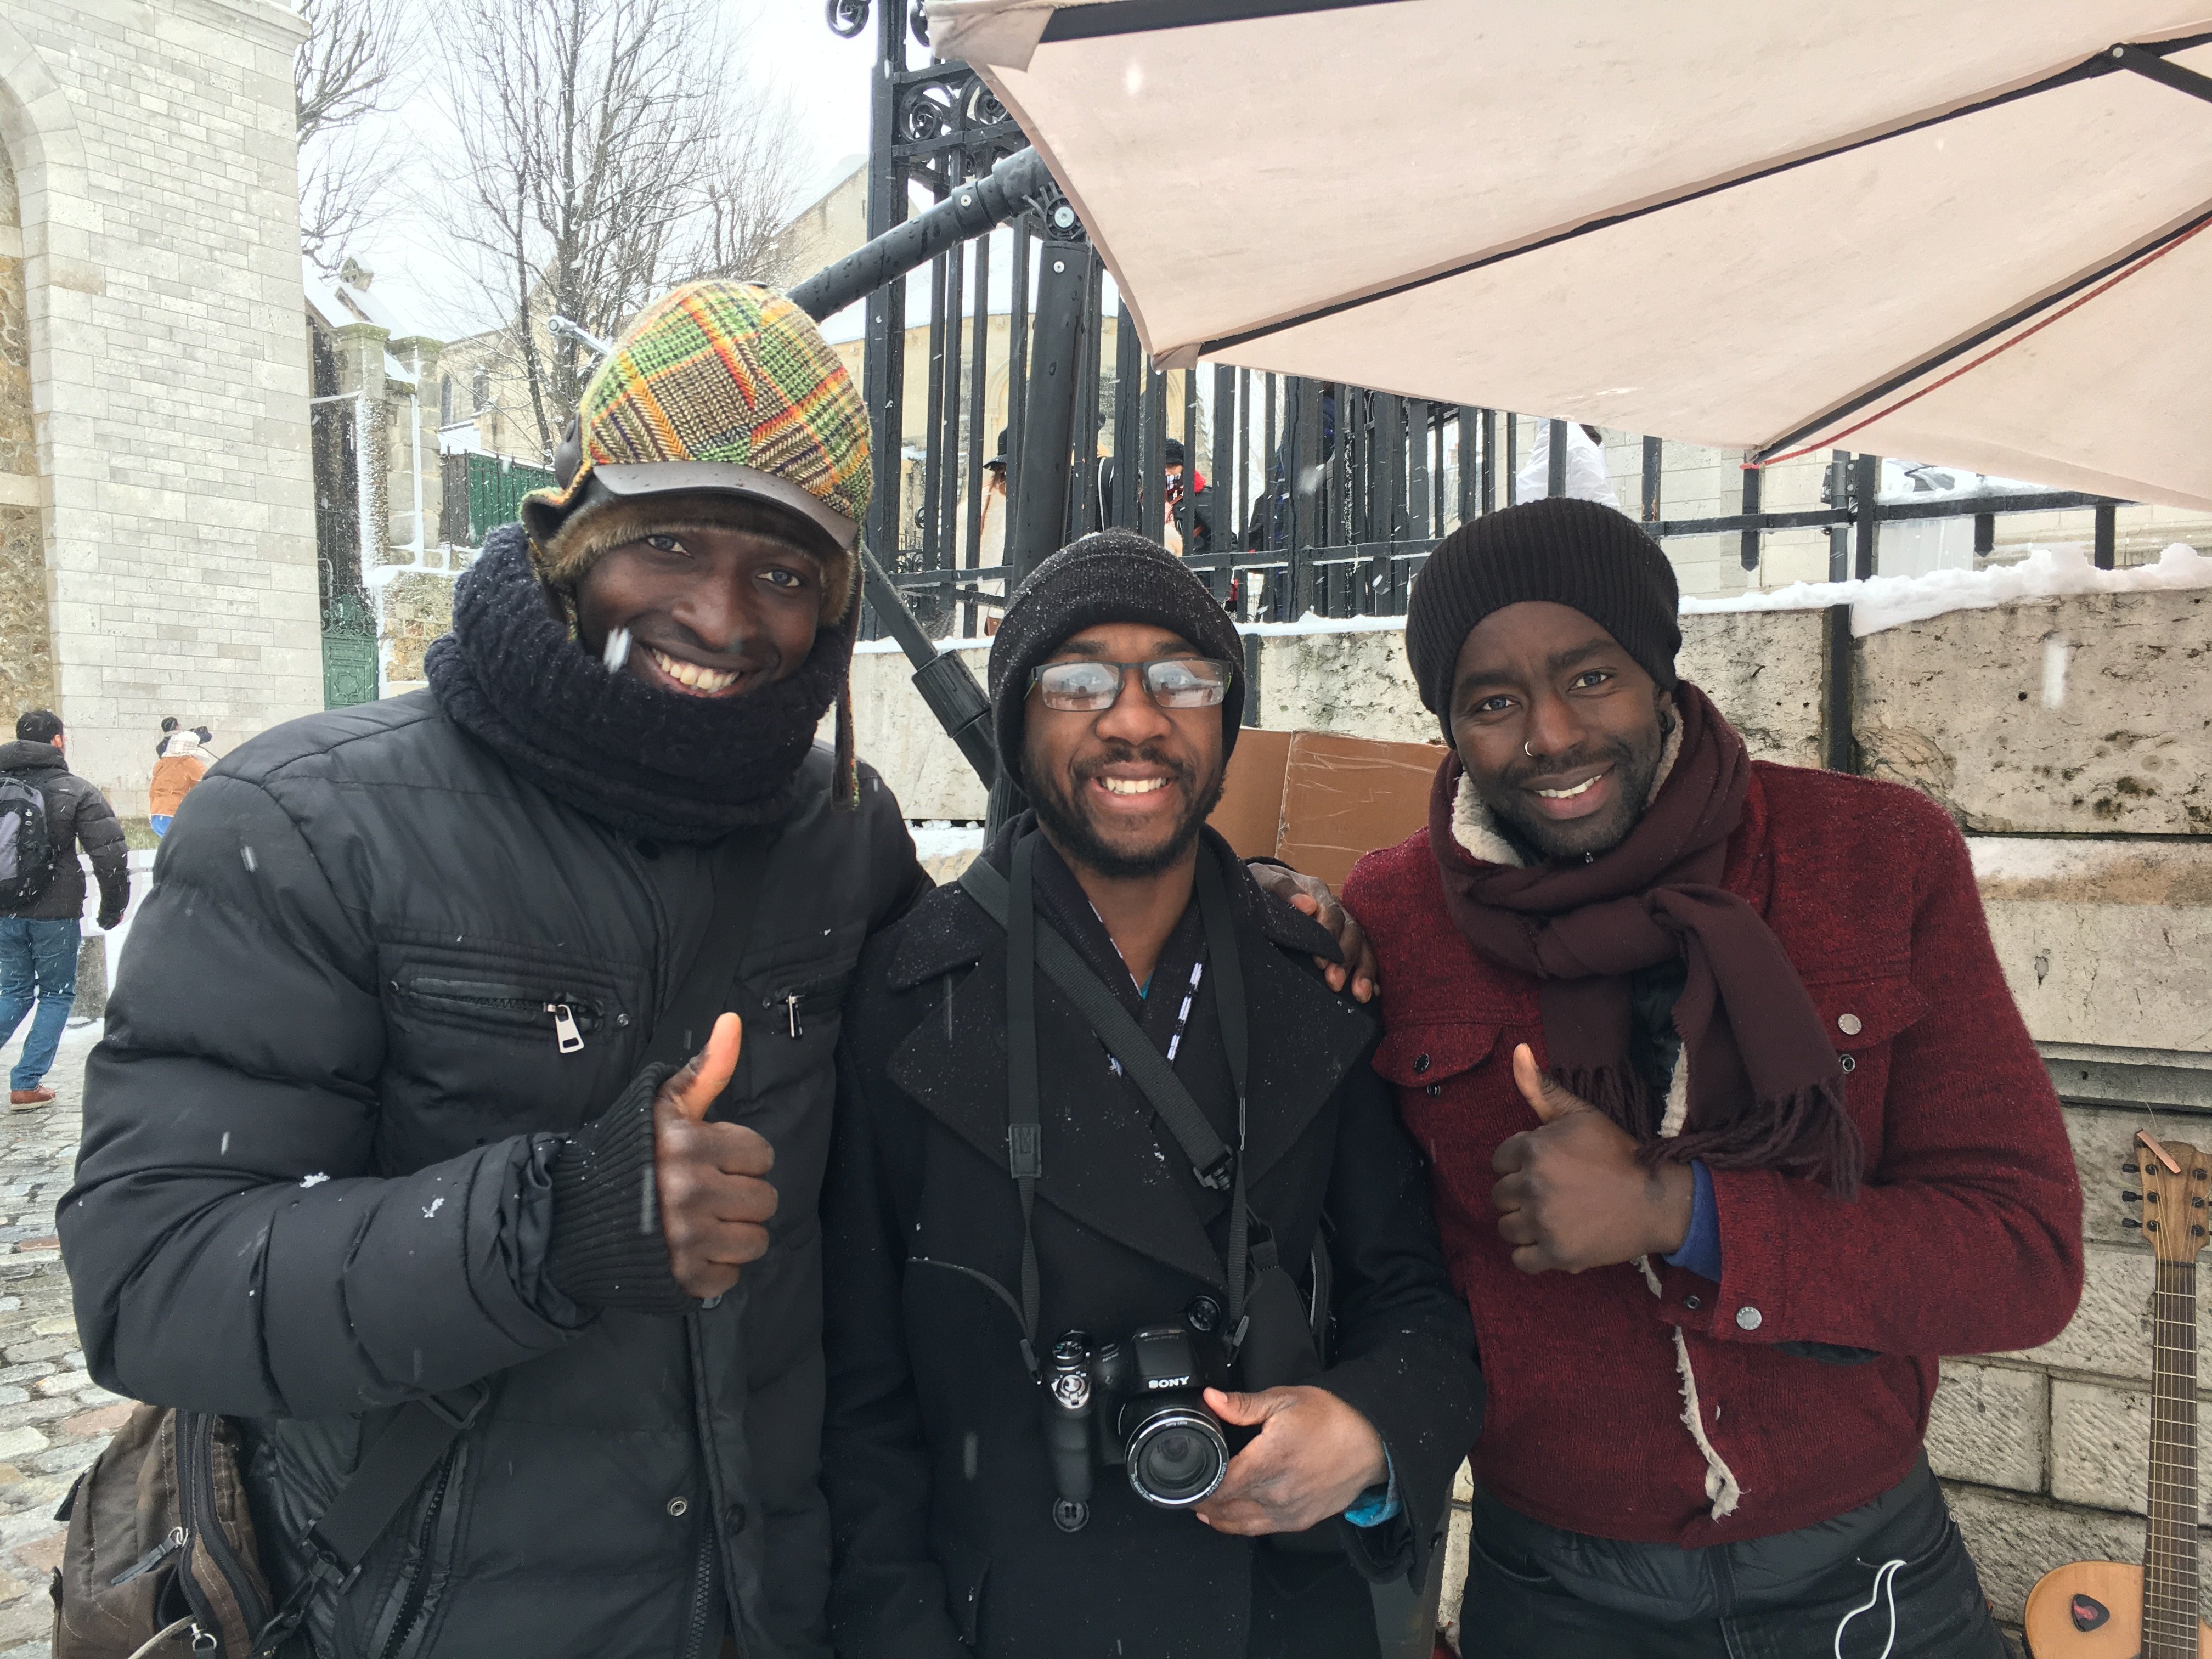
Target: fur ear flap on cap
[{"x": 603, "y": 523}]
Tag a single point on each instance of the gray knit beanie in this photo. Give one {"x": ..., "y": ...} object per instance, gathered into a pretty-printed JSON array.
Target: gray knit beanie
[
  {"x": 1590, "y": 558},
  {"x": 1113, "y": 577}
]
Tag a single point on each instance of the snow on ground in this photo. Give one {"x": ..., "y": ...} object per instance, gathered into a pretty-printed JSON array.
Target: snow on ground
[
  {"x": 2047, "y": 573},
  {"x": 941, "y": 838}
]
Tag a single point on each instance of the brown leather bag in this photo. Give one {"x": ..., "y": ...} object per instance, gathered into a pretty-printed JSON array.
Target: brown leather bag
[{"x": 161, "y": 1560}]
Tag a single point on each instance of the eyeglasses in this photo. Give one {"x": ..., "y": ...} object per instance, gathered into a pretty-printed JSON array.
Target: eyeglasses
[{"x": 1171, "y": 683}]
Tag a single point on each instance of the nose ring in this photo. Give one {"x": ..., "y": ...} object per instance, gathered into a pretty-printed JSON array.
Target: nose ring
[{"x": 1526, "y": 750}]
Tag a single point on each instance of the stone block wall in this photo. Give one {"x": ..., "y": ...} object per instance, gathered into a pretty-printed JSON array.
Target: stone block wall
[
  {"x": 418, "y": 607},
  {"x": 27, "y": 672},
  {"x": 152, "y": 144}
]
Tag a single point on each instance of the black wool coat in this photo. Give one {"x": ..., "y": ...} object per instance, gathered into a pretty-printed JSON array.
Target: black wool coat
[{"x": 933, "y": 1453}]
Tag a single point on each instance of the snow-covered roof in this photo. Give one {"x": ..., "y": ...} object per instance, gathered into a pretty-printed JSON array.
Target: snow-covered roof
[{"x": 340, "y": 304}]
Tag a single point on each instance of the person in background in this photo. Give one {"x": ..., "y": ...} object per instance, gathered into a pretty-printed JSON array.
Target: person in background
[
  {"x": 1588, "y": 478},
  {"x": 183, "y": 763},
  {"x": 1179, "y": 473},
  {"x": 38, "y": 939},
  {"x": 169, "y": 730},
  {"x": 1732, "y": 1125}
]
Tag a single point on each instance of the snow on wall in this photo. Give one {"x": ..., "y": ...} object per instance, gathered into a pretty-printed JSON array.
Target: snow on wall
[{"x": 2047, "y": 573}]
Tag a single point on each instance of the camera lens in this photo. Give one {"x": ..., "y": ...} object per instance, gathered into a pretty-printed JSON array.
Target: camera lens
[{"x": 1177, "y": 1456}]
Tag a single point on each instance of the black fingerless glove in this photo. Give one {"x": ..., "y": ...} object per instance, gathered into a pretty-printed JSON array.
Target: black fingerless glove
[{"x": 608, "y": 1250}]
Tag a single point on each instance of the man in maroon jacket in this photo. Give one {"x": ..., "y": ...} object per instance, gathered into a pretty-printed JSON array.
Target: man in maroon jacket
[{"x": 1734, "y": 1129}]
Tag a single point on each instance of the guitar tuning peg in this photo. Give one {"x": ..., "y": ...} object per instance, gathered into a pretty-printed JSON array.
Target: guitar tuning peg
[
  {"x": 2130, "y": 1221},
  {"x": 2131, "y": 1169},
  {"x": 2127, "y": 1197}
]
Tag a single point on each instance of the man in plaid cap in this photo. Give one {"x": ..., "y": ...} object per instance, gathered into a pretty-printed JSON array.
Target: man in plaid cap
[{"x": 431, "y": 1141}]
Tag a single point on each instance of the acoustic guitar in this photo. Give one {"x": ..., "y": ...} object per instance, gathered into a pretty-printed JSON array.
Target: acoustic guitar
[{"x": 2106, "y": 1609}]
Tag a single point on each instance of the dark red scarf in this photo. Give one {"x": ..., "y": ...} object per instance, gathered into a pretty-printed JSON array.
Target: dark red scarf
[{"x": 1766, "y": 1088}]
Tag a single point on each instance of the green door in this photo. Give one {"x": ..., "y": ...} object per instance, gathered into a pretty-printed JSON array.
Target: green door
[{"x": 349, "y": 654}]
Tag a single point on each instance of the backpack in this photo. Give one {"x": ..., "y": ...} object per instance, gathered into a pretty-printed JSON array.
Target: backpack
[{"x": 26, "y": 844}]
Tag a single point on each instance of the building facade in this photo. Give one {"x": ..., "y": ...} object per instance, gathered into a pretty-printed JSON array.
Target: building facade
[{"x": 156, "y": 518}]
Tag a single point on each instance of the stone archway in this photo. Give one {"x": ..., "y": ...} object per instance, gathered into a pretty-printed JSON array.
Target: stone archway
[{"x": 41, "y": 170}]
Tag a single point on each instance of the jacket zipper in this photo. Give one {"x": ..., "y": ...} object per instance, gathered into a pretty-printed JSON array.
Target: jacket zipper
[
  {"x": 702, "y": 1597},
  {"x": 570, "y": 1014},
  {"x": 793, "y": 1004},
  {"x": 418, "y": 1570},
  {"x": 201, "y": 1521}
]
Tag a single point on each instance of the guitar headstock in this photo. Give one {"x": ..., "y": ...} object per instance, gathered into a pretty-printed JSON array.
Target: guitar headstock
[{"x": 2177, "y": 1195}]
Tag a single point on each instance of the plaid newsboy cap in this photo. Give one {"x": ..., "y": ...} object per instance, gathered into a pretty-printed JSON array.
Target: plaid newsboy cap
[{"x": 716, "y": 388}]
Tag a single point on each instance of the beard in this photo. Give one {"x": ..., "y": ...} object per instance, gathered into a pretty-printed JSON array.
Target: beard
[
  {"x": 1069, "y": 828},
  {"x": 1635, "y": 762}
]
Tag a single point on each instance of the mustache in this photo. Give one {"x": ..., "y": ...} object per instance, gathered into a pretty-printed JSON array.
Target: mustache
[
  {"x": 1531, "y": 774},
  {"x": 1117, "y": 753}
]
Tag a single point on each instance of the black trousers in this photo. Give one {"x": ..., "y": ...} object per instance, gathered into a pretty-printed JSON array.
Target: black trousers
[
  {"x": 1514, "y": 1608},
  {"x": 1306, "y": 1606}
]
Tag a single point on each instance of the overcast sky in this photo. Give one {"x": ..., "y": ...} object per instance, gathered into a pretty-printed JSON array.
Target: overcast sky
[{"x": 827, "y": 80}]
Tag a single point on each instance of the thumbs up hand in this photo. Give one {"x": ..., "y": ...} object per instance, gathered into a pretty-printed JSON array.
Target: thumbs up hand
[
  {"x": 1572, "y": 1194},
  {"x": 714, "y": 1203}
]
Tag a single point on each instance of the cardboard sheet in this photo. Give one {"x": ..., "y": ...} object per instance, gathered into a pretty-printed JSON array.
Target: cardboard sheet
[{"x": 1320, "y": 801}]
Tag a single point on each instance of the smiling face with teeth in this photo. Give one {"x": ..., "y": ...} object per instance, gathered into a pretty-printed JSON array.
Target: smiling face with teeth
[
  {"x": 1560, "y": 729},
  {"x": 724, "y": 601},
  {"x": 1123, "y": 792}
]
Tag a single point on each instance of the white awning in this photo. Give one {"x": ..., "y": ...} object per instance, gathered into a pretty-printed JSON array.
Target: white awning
[{"x": 1967, "y": 233}]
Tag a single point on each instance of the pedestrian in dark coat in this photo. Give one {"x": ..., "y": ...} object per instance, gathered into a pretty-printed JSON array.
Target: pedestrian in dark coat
[
  {"x": 1734, "y": 1127},
  {"x": 39, "y": 939},
  {"x": 422, "y": 1141},
  {"x": 941, "y": 1493}
]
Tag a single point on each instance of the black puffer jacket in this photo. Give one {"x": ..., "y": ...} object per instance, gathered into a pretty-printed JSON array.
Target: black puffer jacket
[
  {"x": 77, "y": 815},
  {"x": 315, "y": 1183}
]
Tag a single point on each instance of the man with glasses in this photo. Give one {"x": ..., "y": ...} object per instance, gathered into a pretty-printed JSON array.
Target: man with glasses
[{"x": 1139, "y": 1338}]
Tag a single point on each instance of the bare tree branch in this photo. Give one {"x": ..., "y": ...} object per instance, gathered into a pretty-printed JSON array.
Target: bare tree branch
[
  {"x": 611, "y": 149},
  {"x": 348, "y": 69}
]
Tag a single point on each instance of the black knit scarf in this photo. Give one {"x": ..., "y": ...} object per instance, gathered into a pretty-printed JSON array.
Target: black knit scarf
[{"x": 641, "y": 761}]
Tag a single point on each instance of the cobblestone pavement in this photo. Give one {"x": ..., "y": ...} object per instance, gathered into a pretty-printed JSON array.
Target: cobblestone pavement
[{"x": 52, "y": 1420}]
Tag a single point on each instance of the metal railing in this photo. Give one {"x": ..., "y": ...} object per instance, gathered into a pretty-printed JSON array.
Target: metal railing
[{"x": 482, "y": 492}]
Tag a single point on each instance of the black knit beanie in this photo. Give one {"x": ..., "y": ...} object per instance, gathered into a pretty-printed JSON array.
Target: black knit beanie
[
  {"x": 1591, "y": 558},
  {"x": 1113, "y": 576}
]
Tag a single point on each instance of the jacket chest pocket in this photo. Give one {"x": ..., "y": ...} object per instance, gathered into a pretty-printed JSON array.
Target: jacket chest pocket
[
  {"x": 563, "y": 1015},
  {"x": 1425, "y": 1058},
  {"x": 796, "y": 1001},
  {"x": 1440, "y": 1068},
  {"x": 1862, "y": 1016},
  {"x": 499, "y": 1043}
]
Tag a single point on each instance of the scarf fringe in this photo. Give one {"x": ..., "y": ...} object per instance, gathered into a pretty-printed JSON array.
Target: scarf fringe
[{"x": 1808, "y": 1134}]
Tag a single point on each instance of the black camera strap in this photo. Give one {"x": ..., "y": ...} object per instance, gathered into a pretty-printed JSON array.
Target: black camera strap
[{"x": 1031, "y": 944}]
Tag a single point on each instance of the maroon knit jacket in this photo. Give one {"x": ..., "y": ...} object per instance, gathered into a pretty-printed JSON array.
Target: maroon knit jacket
[{"x": 1966, "y": 1237}]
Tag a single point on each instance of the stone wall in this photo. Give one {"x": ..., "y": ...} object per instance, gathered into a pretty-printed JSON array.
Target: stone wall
[
  {"x": 26, "y": 669},
  {"x": 2071, "y": 739},
  {"x": 418, "y": 607},
  {"x": 152, "y": 143}
]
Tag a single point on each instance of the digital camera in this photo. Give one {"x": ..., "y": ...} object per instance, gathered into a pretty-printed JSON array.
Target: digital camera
[{"x": 1138, "y": 1403}]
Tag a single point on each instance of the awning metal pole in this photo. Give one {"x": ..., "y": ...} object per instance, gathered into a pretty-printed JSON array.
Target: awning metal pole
[{"x": 1016, "y": 184}]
